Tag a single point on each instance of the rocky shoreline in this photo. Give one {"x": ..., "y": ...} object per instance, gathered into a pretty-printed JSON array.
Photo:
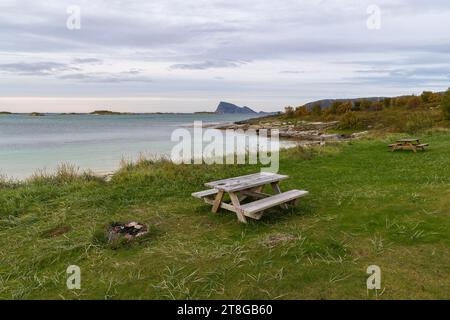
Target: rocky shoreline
[
  {"x": 305, "y": 133},
  {"x": 303, "y": 130}
]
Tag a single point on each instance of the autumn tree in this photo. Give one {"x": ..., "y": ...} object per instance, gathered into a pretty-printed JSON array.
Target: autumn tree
[
  {"x": 317, "y": 109},
  {"x": 401, "y": 101},
  {"x": 357, "y": 105},
  {"x": 289, "y": 111},
  {"x": 413, "y": 102},
  {"x": 301, "y": 111},
  {"x": 445, "y": 105},
  {"x": 335, "y": 106},
  {"x": 426, "y": 96},
  {"x": 376, "y": 106},
  {"x": 344, "y": 107},
  {"x": 366, "y": 104}
]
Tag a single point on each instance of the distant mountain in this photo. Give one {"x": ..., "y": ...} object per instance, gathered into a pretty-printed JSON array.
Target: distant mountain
[
  {"x": 326, "y": 103},
  {"x": 229, "y": 108}
]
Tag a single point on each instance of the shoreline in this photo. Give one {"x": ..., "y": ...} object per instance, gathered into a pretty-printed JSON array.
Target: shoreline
[{"x": 304, "y": 133}]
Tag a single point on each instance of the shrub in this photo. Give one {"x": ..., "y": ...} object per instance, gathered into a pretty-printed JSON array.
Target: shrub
[
  {"x": 350, "y": 121},
  {"x": 357, "y": 105},
  {"x": 418, "y": 122},
  {"x": 445, "y": 105},
  {"x": 335, "y": 106},
  {"x": 436, "y": 98},
  {"x": 317, "y": 109},
  {"x": 289, "y": 111},
  {"x": 401, "y": 101},
  {"x": 426, "y": 96},
  {"x": 344, "y": 108},
  {"x": 376, "y": 106},
  {"x": 414, "y": 103},
  {"x": 301, "y": 111},
  {"x": 304, "y": 152},
  {"x": 365, "y": 104}
]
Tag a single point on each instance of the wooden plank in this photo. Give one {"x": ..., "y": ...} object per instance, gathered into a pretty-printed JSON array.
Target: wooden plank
[
  {"x": 237, "y": 207},
  {"x": 256, "y": 215},
  {"x": 223, "y": 205},
  {"x": 217, "y": 202},
  {"x": 246, "y": 182},
  {"x": 277, "y": 190},
  {"x": 205, "y": 193},
  {"x": 254, "y": 194},
  {"x": 272, "y": 201},
  {"x": 408, "y": 140}
]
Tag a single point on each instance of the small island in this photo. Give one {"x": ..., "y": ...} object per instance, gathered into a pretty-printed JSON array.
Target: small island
[
  {"x": 36, "y": 114},
  {"x": 5, "y": 113},
  {"x": 108, "y": 113},
  {"x": 205, "y": 112}
]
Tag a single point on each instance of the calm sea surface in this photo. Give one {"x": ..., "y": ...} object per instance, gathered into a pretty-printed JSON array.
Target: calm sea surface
[{"x": 88, "y": 142}]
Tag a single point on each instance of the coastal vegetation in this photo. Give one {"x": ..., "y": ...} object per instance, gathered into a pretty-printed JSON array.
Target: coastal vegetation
[
  {"x": 366, "y": 206},
  {"x": 398, "y": 114},
  {"x": 445, "y": 105}
]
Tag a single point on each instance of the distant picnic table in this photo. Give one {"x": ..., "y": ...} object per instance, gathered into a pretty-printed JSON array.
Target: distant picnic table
[
  {"x": 408, "y": 144},
  {"x": 248, "y": 186}
]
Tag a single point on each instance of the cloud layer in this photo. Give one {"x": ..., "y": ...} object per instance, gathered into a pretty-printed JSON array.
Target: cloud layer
[{"x": 265, "y": 54}]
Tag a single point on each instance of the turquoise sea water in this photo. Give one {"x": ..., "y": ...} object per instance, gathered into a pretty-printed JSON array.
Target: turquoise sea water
[{"x": 86, "y": 141}]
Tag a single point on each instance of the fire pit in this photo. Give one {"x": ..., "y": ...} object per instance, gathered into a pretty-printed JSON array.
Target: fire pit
[{"x": 129, "y": 231}]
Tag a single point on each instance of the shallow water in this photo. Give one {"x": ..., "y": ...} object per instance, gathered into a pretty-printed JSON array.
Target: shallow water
[{"x": 88, "y": 142}]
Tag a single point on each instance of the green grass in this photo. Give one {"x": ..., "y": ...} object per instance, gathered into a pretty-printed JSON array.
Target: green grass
[
  {"x": 366, "y": 206},
  {"x": 393, "y": 119}
]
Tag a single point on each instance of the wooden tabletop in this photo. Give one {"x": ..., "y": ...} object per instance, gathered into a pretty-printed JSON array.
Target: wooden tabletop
[
  {"x": 246, "y": 182},
  {"x": 408, "y": 140}
]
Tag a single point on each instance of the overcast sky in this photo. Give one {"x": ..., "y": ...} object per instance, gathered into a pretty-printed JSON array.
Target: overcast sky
[{"x": 187, "y": 55}]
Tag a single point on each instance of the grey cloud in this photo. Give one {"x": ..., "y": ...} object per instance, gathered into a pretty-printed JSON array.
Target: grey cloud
[
  {"x": 207, "y": 65},
  {"x": 443, "y": 72},
  {"x": 87, "y": 61},
  {"x": 120, "y": 77},
  {"x": 421, "y": 78},
  {"x": 240, "y": 30},
  {"x": 292, "y": 71},
  {"x": 70, "y": 72},
  {"x": 35, "y": 68},
  {"x": 186, "y": 35}
]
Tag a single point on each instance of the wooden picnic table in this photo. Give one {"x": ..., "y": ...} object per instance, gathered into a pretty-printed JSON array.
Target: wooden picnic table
[
  {"x": 408, "y": 144},
  {"x": 248, "y": 186}
]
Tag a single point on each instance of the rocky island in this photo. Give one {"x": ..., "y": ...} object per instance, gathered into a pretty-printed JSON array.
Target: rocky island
[
  {"x": 108, "y": 113},
  {"x": 229, "y": 108}
]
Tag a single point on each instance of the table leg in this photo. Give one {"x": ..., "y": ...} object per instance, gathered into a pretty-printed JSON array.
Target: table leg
[
  {"x": 237, "y": 207},
  {"x": 217, "y": 202},
  {"x": 413, "y": 147},
  {"x": 259, "y": 189},
  {"x": 276, "y": 188}
]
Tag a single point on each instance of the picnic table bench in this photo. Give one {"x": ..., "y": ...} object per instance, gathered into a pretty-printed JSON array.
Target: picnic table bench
[
  {"x": 249, "y": 186},
  {"x": 408, "y": 144}
]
